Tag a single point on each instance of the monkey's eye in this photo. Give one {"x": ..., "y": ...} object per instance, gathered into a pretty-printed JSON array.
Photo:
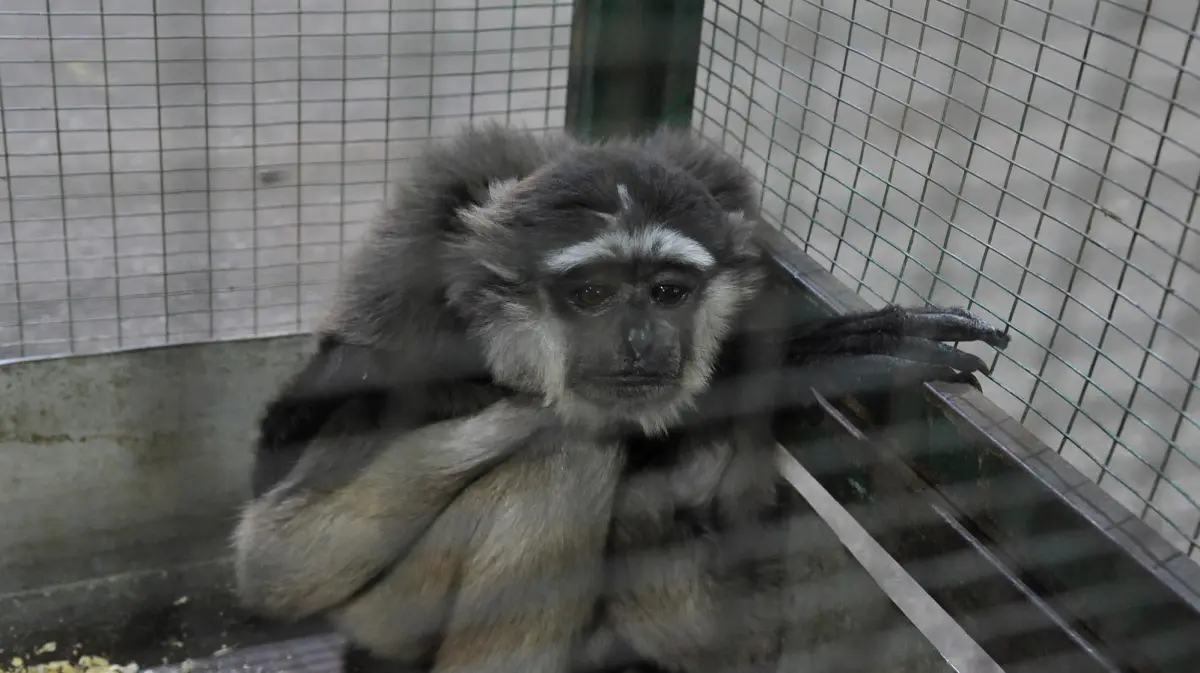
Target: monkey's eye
[
  {"x": 669, "y": 295},
  {"x": 592, "y": 296}
]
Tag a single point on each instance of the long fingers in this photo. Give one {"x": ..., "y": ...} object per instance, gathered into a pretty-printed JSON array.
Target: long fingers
[
  {"x": 934, "y": 323},
  {"x": 878, "y": 343},
  {"x": 952, "y": 324}
]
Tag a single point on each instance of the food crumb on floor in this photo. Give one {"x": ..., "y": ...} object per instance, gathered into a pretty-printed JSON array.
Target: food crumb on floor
[{"x": 84, "y": 664}]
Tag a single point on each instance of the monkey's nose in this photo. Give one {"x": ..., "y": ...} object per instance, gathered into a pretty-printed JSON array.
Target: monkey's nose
[{"x": 639, "y": 341}]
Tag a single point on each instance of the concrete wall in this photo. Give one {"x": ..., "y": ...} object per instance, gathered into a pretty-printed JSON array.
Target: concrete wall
[{"x": 120, "y": 475}]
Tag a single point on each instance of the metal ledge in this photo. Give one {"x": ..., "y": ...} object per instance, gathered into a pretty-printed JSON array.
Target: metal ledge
[{"x": 1043, "y": 569}]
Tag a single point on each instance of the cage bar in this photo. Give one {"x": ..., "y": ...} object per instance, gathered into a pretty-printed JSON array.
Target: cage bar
[{"x": 633, "y": 65}]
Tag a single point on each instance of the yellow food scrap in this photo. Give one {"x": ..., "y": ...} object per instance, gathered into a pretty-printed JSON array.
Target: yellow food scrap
[
  {"x": 48, "y": 647},
  {"x": 84, "y": 664}
]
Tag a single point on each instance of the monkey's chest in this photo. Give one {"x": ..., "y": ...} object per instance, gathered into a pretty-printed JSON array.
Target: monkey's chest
[
  {"x": 691, "y": 511},
  {"x": 679, "y": 520},
  {"x": 684, "y": 557},
  {"x": 688, "y": 488}
]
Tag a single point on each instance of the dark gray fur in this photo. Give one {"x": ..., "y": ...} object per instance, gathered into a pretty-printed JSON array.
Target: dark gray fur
[
  {"x": 388, "y": 333},
  {"x": 549, "y": 532}
]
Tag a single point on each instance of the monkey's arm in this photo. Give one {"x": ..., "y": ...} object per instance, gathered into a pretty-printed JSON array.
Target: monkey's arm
[
  {"x": 355, "y": 501},
  {"x": 337, "y": 374},
  {"x": 882, "y": 349},
  {"x": 533, "y": 572},
  {"x": 342, "y": 374},
  {"x": 505, "y": 576}
]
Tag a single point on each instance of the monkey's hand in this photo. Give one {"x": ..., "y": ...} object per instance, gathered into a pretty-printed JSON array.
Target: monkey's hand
[{"x": 887, "y": 348}]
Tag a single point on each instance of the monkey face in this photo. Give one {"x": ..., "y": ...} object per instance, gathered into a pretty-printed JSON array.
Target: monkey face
[
  {"x": 630, "y": 329},
  {"x": 604, "y": 282}
]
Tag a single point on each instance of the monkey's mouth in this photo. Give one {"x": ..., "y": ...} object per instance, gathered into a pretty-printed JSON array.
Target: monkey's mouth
[
  {"x": 635, "y": 379},
  {"x": 629, "y": 387}
]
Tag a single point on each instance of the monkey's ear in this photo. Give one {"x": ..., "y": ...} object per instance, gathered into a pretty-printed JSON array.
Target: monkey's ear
[
  {"x": 499, "y": 190},
  {"x": 487, "y": 237},
  {"x": 484, "y": 218},
  {"x": 741, "y": 232}
]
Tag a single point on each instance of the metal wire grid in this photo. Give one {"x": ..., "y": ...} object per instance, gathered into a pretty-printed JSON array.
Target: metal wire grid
[
  {"x": 180, "y": 170},
  {"x": 1036, "y": 160}
]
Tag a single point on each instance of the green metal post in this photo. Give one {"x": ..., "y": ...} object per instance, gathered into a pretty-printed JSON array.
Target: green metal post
[{"x": 633, "y": 65}]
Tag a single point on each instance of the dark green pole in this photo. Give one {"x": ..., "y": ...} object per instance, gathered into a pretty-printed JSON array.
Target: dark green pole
[{"x": 633, "y": 65}]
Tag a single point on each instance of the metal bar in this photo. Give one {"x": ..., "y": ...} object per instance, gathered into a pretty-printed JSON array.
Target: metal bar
[
  {"x": 1006, "y": 617},
  {"x": 1108, "y": 582},
  {"x": 919, "y": 528},
  {"x": 633, "y": 65}
]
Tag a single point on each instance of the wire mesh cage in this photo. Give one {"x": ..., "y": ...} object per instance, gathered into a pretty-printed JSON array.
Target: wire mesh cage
[
  {"x": 185, "y": 170},
  {"x": 1029, "y": 159},
  {"x": 194, "y": 170}
]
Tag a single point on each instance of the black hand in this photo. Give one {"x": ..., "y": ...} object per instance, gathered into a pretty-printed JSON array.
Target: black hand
[
  {"x": 935, "y": 323},
  {"x": 904, "y": 333}
]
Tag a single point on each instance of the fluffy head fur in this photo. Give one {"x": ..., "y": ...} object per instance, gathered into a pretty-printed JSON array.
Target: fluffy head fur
[{"x": 621, "y": 213}]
